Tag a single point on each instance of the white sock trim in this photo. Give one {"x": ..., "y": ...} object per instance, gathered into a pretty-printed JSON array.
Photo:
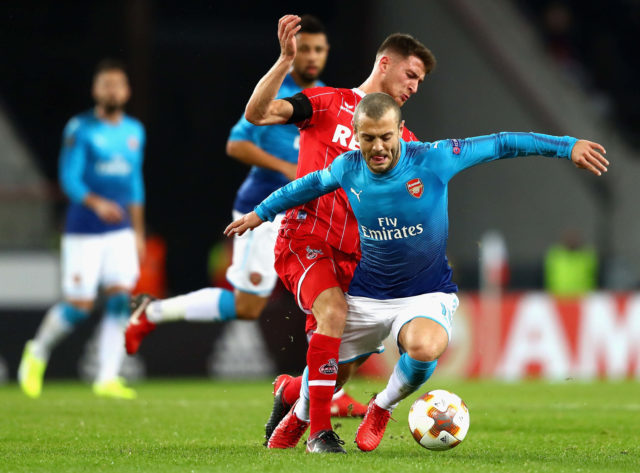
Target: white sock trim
[{"x": 320, "y": 382}]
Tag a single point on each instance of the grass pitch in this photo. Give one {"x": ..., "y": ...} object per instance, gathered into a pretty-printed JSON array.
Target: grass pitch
[{"x": 202, "y": 426}]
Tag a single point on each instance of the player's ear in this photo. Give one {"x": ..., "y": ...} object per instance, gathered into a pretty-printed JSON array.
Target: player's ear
[
  {"x": 383, "y": 63},
  {"x": 401, "y": 128}
]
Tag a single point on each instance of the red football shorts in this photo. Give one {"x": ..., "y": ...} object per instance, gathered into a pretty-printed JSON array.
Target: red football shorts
[{"x": 308, "y": 265}]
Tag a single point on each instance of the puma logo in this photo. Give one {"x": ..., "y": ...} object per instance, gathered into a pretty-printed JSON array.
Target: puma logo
[{"x": 357, "y": 194}]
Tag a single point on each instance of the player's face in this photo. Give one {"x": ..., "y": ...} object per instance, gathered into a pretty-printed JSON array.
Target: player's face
[
  {"x": 402, "y": 76},
  {"x": 380, "y": 140},
  {"x": 311, "y": 55},
  {"x": 111, "y": 90}
]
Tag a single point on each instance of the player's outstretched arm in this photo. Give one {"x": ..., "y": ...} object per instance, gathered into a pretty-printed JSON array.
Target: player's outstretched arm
[
  {"x": 262, "y": 109},
  {"x": 590, "y": 156},
  {"x": 244, "y": 223}
]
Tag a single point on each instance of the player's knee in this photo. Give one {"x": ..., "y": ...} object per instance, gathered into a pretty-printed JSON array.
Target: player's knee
[
  {"x": 117, "y": 305},
  {"x": 249, "y": 306},
  {"x": 423, "y": 340},
  {"x": 75, "y": 313},
  {"x": 247, "y": 310},
  {"x": 332, "y": 319},
  {"x": 425, "y": 350}
]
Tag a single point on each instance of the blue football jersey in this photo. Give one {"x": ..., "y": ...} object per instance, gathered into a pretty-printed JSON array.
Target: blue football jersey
[
  {"x": 402, "y": 214},
  {"x": 282, "y": 141},
  {"x": 103, "y": 158}
]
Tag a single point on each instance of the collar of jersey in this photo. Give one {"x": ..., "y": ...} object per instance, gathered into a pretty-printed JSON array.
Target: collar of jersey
[
  {"x": 394, "y": 170},
  {"x": 94, "y": 114}
]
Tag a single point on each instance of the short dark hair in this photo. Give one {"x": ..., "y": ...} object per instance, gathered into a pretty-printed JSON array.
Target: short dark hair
[
  {"x": 109, "y": 64},
  {"x": 406, "y": 45},
  {"x": 375, "y": 106},
  {"x": 311, "y": 24}
]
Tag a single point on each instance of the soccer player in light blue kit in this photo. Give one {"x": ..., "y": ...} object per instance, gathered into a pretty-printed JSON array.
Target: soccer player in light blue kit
[
  {"x": 101, "y": 174},
  {"x": 398, "y": 192}
]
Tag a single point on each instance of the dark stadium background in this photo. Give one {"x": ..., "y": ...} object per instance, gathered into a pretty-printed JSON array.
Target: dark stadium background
[{"x": 193, "y": 65}]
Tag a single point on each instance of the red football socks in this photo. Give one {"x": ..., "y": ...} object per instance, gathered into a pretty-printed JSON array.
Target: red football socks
[
  {"x": 322, "y": 360},
  {"x": 291, "y": 391}
]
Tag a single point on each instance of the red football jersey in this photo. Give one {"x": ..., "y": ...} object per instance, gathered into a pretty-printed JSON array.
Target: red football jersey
[{"x": 323, "y": 137}]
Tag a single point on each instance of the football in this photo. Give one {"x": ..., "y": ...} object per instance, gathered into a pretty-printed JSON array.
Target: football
[{"x": 439, "y": 420}]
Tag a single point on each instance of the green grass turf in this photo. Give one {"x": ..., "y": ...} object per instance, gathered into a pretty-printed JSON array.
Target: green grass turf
[{"x": 201, "y": 425}]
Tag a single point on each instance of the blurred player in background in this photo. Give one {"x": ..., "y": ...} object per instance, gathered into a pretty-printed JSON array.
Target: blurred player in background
[
  {"x": 318, "y": 246},
  {"x": 273, "y": 154},
  {"x": 403, "y": 282},
  {"x": 101, "y": 174}
]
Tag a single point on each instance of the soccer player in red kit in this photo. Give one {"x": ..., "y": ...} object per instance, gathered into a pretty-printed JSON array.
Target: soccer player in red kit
[{"x": 318, "y": 245}]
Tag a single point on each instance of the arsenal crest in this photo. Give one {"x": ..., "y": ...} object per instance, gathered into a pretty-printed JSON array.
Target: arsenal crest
[
  {"x": 133, "y": 143},
  {"x": 415, "y": 187}
]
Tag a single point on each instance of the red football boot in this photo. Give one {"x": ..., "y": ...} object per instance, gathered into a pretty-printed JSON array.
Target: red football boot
[
  {"x": 372, "y": 427},
  {"x": 139, "y": 325},
  {"x": 346, "y": 406},
  {"x": 280, "y": 406},
  {"x": 288, "y": 432}
]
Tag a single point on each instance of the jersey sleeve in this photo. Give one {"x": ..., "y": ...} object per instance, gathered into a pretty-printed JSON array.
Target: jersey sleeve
[
  {"x": 72, "y": 162},
  {"x": 243, "y": 130},
  {"x": 298, "y": 192},
  {"x": 320, "y": 99},
  {"x": 457, "y": 155},
  {"x": 137, "y": 187}
]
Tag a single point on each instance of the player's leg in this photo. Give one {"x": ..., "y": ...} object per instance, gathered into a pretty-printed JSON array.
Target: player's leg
[
  {"x": 363, "y": 335},
  {"x": 422, "y": 340},
  {"x": 289, "y": 421},
  {"x": 342, "y": 404},
  {"x": 364, "y": 332},
  {"x": 251, "y": 274},
  {"x": 287, "y": 390},
  {"x": 330, "y": 311},
  {"x": 345, "y": 372},
  {"x": 119, "y": 273},
  {"x": 306, "y": 267},
  {"x": 80, "y": 271}
]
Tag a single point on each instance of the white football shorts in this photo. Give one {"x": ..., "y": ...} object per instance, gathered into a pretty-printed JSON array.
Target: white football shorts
[
  {"x": 91, "y": 260},
  {"x": 253, "y": 254},
  {"x": 369, "y": 321}
]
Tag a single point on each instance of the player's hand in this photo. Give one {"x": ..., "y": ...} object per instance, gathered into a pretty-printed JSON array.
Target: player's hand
[
  {"x": 244, "y": 223},
  {"x": 107, "y": 210},
  {"x": 590, "y": 156},
  {"x": 289, "y": 170},
  {"x": 288, "y": 27}
]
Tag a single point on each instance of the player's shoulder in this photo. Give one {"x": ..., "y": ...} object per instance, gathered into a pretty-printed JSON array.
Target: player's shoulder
[
  {"x": 449, "y": 146},
  {"x": 79, "y": 122},
  {"x": 132, "y": 122},
  {"x": 408, "y": 135},
  {"x": 320, "y": 91},
  {"x": 417, "y": 148},
  {"x": 350, "y": 160},
  {"x": 288, "y": 87},
  {"x": 353, "y": 157},
  {"x": 333, "y": 93}
]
